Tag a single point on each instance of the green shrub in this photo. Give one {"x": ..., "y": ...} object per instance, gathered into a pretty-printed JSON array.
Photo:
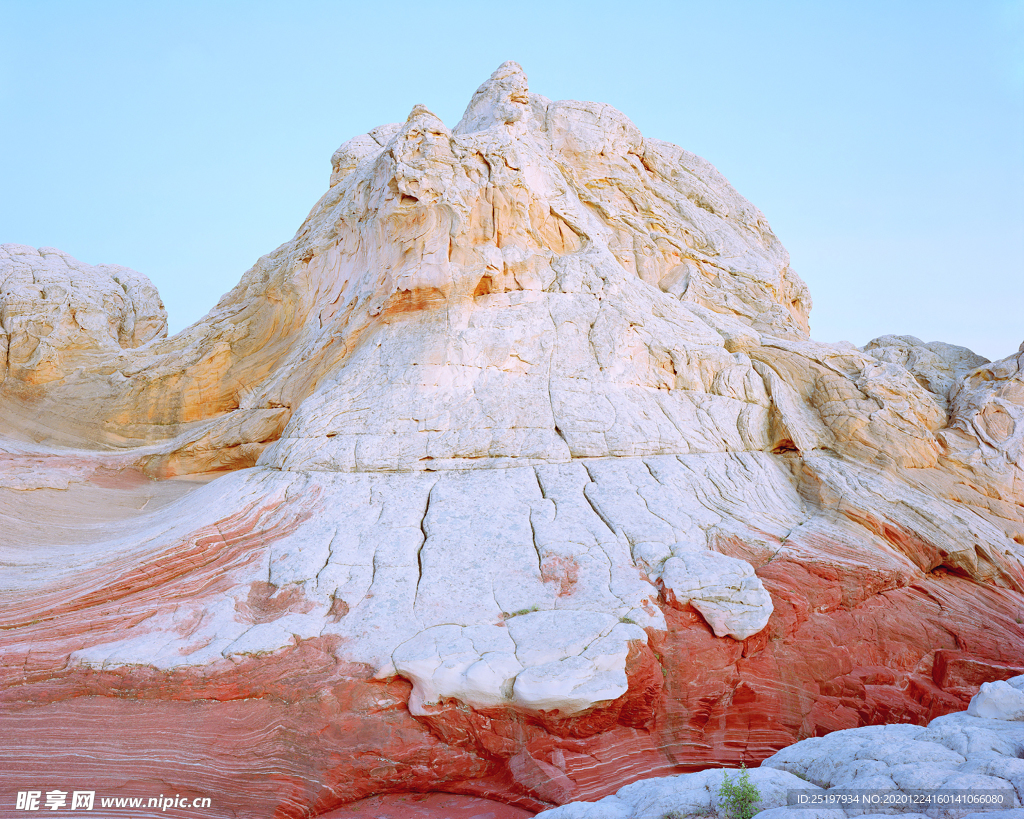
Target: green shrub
[{"x": 741, "y": 798}]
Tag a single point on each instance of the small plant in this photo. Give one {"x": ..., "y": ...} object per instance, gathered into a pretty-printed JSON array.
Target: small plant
[
  {"x": 508, "y": 615},
  {"x": 741, "y": 798}
]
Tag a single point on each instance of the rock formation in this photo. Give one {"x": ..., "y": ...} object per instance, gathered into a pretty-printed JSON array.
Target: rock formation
[
  {"x": 515, "y": 473},
  {"x": 978, "y": 752}
]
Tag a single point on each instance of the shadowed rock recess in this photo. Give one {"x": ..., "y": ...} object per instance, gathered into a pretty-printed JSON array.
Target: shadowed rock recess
[{"x": 515, "y": 473}]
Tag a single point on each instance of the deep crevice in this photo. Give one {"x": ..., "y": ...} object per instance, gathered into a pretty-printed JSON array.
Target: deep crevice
[{"x": 419, "y": 552}]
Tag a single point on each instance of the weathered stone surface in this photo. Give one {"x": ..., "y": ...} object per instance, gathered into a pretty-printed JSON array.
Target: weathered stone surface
[
  {"x": 1001, "y": 699},
  {"x": 514, "y": 474},
  {"x": 55, "y": 311},
  {"x": 723, "y": 589},
  {"x": 979, "y": 749},
  {"x": 686, "y": 795}
]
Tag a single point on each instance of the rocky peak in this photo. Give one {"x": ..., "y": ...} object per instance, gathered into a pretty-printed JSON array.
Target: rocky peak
[{"x": 503, "y": 100}]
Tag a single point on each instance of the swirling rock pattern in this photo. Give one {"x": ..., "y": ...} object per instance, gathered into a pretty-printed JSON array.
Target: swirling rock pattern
[
  {"x": 973, "y": 751},
  {"x": 514, "y": 474}
]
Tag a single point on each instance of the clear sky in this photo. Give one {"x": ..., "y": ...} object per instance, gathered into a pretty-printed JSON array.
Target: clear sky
[{"x": 884, "y": 141}]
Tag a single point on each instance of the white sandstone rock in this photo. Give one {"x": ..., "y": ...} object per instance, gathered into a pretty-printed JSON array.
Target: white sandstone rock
[
  {"x": 53, "y": 306},
  {"x": 505, "y": 378},
  {"x": 565, "y": 661},
  {"x": 691, "y": 795},
  {"x": 958, "y": 751},
  {"x": 999, "y": 700},
  {"x": 987, "y": 406},
  {"x": 475, "y": 664},
  {"x": 936, "y": 365},
  {"x": 723, "y": 589}
]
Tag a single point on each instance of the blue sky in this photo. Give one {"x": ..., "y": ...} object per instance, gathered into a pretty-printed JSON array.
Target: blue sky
[{"x": 883, "y": 141}]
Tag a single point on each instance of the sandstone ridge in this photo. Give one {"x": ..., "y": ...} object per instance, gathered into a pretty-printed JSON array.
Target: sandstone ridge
[{"x": 514, "y": 473}]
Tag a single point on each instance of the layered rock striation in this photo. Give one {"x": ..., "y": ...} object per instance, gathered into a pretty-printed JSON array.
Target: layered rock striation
[
  {"x": 515, "y": 473},
  {"x": 950, "y": 769}
]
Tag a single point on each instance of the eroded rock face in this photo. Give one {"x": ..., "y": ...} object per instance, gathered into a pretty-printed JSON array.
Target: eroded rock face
[
  {"x": 55, "y": 311},
  {"x": 974, "y": 752},
  {"x": 515, "y": 474},
  {"x": 723, "y": 589},
  {"x": 999, "y": 700}
]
